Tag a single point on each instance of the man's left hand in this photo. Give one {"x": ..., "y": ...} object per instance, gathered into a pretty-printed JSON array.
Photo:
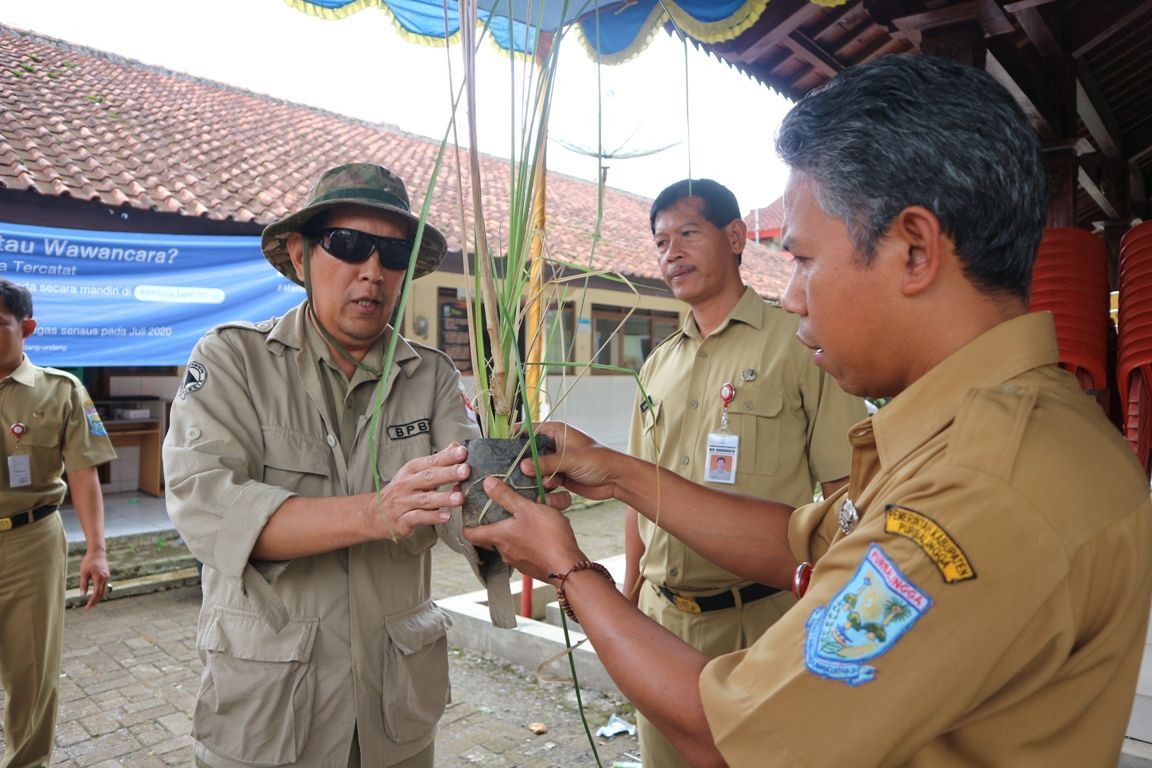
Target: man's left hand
[
  {"x": 94, "y": 572},
  {"x": 413, "y": 497}
]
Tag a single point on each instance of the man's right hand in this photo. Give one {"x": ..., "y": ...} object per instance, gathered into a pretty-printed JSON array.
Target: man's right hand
[{"x": 413, "y": 497}]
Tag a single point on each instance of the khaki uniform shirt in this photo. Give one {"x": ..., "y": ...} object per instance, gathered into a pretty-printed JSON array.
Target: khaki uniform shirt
[
  {"x": 296, "y": 654},
  {"x": 792, "y": 420},
  {"x": 990, "y": 605},
  {"x": 63, "y": 433}
]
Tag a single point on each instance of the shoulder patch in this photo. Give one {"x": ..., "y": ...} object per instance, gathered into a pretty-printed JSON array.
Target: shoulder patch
[
  {"x": 195, "y": 377},
  {"x": 862, "y": 621},
  {"x": 940, "y": 547},
  {"x": 92, "y": 416}
]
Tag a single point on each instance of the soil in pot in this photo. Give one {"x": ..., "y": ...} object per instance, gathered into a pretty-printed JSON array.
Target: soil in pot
[{"x": 500, "y": 457}]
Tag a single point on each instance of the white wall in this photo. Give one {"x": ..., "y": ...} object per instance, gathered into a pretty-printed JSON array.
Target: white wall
[{"x": 600, "y": 405}]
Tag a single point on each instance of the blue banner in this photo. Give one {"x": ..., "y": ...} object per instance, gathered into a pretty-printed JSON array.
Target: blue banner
[{"x": 125, "y": 298}]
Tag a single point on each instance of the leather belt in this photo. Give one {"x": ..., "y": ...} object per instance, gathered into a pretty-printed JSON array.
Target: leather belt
[
  {"x": 23, "y": 518},
  {"x": 719, "y": 602}
]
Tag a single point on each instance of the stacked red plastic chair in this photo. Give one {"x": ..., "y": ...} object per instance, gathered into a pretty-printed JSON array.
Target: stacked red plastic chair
[
  {"x": 1134, "y": 346},
  {"x": 1070, "y": 280}
]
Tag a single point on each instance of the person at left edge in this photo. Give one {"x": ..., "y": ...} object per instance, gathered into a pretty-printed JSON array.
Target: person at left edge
[
  {"x": 49, "y": 432},
  {"x": 321, "y": 644}
]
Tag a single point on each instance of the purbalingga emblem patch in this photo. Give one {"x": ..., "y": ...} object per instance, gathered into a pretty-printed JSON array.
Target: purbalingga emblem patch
[{"x": 863, "y": 620}]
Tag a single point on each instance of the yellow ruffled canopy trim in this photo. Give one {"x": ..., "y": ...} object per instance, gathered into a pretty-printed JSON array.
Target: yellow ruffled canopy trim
[
  {"x": 718, "y": 31},
  {"x": 642, "y": 40},
  {"x": 714, "y": 32},
  {"x": 431, "y": 41},
  {"x": 344, "y": 12},
  {"x": 706, "y": 32}
]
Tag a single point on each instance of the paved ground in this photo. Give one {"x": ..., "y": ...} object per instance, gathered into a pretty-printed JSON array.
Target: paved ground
[{"x": 130, "y": 676}]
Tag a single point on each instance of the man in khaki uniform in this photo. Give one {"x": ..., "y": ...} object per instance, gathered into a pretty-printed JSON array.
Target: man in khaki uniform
[
  {"x": 320, "y": 641},
  {"x": 783, "y": 428},
  {"x": 49, "y": 430},
  {"x": 979, "y": 593}
]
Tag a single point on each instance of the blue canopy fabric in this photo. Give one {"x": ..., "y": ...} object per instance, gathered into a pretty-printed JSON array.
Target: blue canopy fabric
[{"x": 612, "y": 30}]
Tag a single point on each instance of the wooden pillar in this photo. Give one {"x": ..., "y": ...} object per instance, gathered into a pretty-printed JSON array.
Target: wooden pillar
[{"x": 1062, "y": 172}]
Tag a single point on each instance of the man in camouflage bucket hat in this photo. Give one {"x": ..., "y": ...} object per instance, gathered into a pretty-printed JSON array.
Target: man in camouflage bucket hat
[
  {"x": 318, "y": 634},
  {"x": 364, "y": 184}
]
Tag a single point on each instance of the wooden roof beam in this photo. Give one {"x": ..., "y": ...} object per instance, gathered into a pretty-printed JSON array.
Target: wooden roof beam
[
  {"x": 1095, "y": 114},
  {"x": 780, "y": 19},
  {"x": 1009, "y": 67},
  {"x": 1138, "y": 142},
  {"x": 1099, "y": 22},
  {"x": 1038, "y": 31},
  {"x": 811, "y": 53}
]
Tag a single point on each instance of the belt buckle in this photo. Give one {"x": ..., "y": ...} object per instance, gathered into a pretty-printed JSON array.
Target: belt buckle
[
  {"x": 5, "y": 523},
  {"x": 686, "y": 604}
]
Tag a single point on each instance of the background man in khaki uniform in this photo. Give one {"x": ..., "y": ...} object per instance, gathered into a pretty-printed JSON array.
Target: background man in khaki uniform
[
  {"x": 320, "y": 641},
  {"x": 49, "y": 430},
  {"x": 980, "y": 590},
  {"x": 790, "y": 421}
]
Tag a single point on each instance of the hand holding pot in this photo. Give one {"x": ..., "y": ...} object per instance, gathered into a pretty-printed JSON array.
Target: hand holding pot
[
  {"x": 536, "y": 539},
  {"x": 413, "y": 498},
  {"x": 580, "y": 463}
]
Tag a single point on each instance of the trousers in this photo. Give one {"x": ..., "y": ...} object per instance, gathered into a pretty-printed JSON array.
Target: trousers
[{"x": 33, "y": 571}]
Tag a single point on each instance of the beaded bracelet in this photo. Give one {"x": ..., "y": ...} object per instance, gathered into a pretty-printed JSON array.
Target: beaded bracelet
[{"x": 583, "y": 565}]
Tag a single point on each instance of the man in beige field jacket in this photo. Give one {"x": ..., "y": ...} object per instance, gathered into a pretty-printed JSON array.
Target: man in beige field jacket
[{"x": 320, "y": 642}]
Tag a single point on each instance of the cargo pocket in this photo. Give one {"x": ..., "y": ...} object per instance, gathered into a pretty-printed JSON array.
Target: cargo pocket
[
  {"x": 297, "y": 462},
  {"x": 755, "y": 416},
  {"x": 415, "y": 671},
  {"x": 256, "y": 696}
]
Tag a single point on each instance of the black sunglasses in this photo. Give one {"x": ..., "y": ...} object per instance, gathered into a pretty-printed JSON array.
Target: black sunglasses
[{"x": 354, "y": 247}]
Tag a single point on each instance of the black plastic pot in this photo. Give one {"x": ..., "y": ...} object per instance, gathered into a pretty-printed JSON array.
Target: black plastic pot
[{"x": 500, "y": 457}]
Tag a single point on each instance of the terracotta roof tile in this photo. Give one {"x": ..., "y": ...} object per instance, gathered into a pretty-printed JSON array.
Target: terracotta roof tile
[
  {"x": 95, "y": 126},
  {"x": 770, "y": 220}
]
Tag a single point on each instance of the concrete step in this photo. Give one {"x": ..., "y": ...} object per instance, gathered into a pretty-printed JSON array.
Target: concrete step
[
  {"x": 1135, "y": 754},
  {"x": 141, "y": 585},
  {"x": 139, "y": 563}
]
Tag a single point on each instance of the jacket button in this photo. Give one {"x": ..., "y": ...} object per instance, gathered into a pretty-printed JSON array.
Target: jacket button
[
  {"x": 192, "y": 433},
  {"x": 331, "y": 441}
]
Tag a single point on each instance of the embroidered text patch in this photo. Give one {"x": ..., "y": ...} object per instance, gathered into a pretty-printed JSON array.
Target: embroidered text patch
[
  {"x": 411, "y": 429},
  {"x": 931, "y": 538}
]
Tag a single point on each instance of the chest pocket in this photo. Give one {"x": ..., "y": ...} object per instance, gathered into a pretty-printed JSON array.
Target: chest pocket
[
  {"x": 755, "y": 416},
  {"x": 43, "y": 432},
  {"x": 297, "y": 462}
]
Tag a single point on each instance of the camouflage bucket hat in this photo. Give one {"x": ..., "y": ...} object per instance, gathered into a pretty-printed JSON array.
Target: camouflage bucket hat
[{"x": 363, "y": 184}]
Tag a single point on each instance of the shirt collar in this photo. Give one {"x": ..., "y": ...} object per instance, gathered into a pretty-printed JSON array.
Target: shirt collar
[
  {"x": 25, "y": 373},
  {"x": 932, "y": 401},
  {"x": 294, "y": 330},
  {"x": 750, "y": 310}
]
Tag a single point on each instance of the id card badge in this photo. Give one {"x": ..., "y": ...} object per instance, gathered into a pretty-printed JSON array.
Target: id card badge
[
  {"x": 19, "y": 470},
  {"x": 723, "y": 448},
  {"x": 723, "y": 452},
  {"x": 19, "y": 466}
]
